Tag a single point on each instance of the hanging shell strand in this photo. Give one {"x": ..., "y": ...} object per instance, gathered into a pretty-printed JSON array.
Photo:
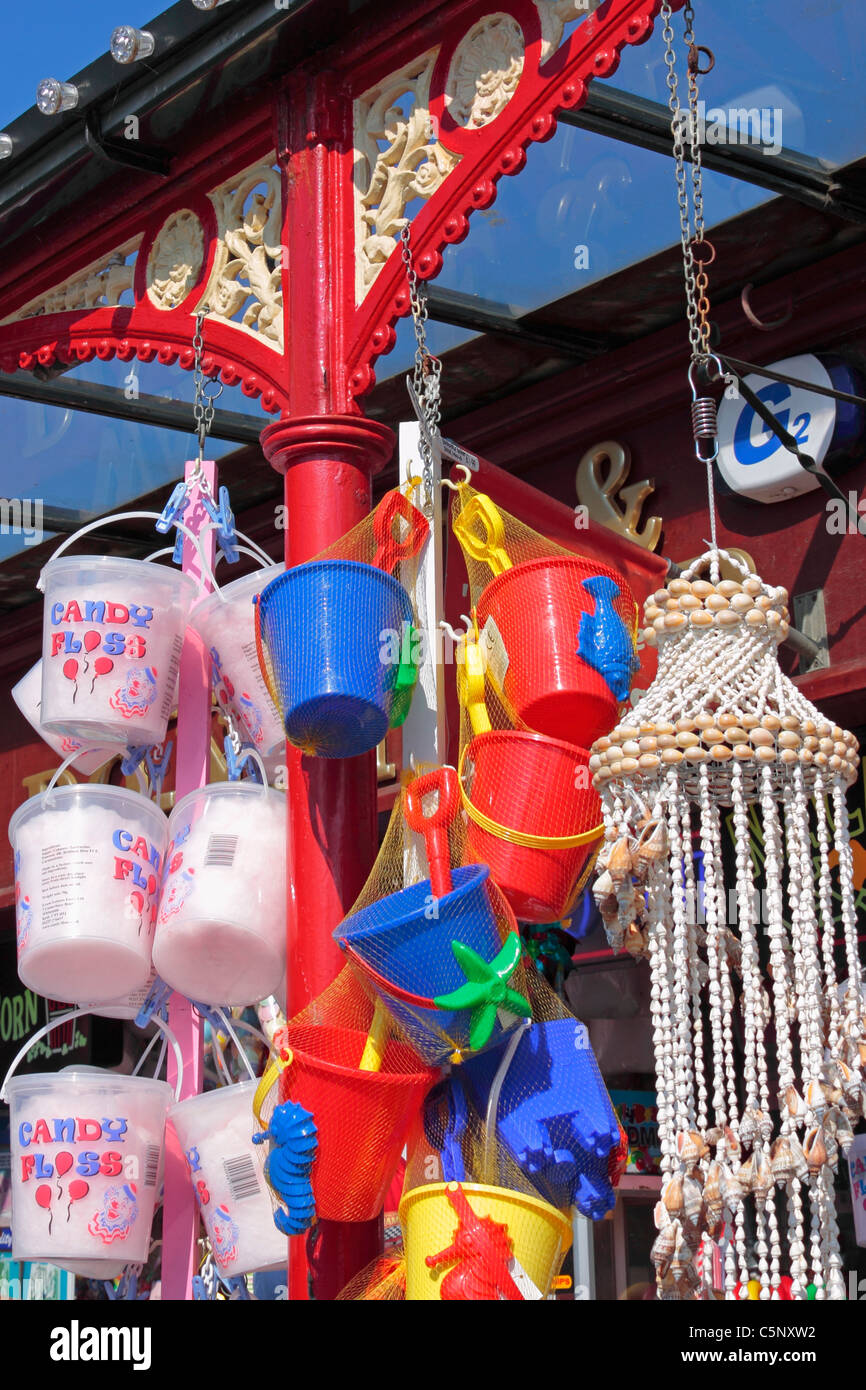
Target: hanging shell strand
[{"x": 724, "y": 781}]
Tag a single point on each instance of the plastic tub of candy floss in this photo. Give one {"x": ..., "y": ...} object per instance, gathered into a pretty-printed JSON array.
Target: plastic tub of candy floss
[
  {"x": 227, "y": 1173},
  {"x": 27, "y": 695},
  {"x": 127, "y": 1006},
  {"x": 88, "y": 860},
  {"x": 220, "y": 929},
  {"x": 225, "y": 621},
  {"x": 86, "y": 1154},
  {"x": 112, "y": 636}
]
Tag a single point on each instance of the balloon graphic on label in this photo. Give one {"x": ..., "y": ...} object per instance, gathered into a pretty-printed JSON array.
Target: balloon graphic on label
[
  {"x": 43, "y": 1198},
  {"x": 63, "y": 1162},
  {"x": 92, "y": 640},
  {"x": 101, "y": 667},
  {"x": 77, "y": 1189},
  {"x": 70, "y": 671}
]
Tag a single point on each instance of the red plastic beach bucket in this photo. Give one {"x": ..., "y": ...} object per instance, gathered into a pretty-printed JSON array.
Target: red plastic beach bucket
[
  {"x": 537, "y": 608},
  {"x": 533, "y": 817},
  {"x": 362, "y": 1117}
]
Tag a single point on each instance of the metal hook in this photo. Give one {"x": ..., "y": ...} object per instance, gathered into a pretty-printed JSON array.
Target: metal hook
[
  {"x": 457, "y": 636},
  {"x": 693, "y": 61},
  {"x": 753, "y": 317},
  {"x": 455, "y": 487}
]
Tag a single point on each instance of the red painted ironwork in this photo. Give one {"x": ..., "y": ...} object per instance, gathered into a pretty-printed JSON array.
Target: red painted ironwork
[{"x": 329, "y": 358}]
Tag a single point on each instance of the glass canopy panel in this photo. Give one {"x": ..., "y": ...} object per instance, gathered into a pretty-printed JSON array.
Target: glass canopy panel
[
  {"x": 70, "y": 459},
  {"x": 798, "y": 63},
  {"x": 584, "y": 207},
  {"x": 166, "y": 383}
]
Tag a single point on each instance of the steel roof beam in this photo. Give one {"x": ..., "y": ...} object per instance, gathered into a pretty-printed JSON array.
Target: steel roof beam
[{"x": 636, "y": 121}]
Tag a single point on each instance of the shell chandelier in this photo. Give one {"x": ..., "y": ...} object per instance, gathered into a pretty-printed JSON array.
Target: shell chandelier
[{"x": 751, "y": 1012}]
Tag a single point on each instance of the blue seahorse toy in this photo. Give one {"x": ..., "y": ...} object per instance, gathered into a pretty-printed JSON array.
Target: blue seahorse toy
[
  {"x": 292, "y": 1132},
  {"x": 603, "y": 641}
]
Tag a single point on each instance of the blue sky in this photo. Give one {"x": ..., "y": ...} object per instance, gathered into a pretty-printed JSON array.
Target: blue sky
[{"x": 57, "y": 38}]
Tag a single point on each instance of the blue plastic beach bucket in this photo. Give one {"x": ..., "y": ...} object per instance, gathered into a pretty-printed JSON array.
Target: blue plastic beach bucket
[
  {"x": 403, "y": 940},
  {"x": 326, "y": 627}
]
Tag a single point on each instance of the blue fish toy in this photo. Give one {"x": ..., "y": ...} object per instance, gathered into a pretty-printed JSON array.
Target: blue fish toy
[{"x": 603, "y": 641}]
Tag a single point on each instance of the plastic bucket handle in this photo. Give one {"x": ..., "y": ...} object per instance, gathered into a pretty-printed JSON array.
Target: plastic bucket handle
[
  {"x": 206, "y": 574},
  {"x": 489, "y": 549},
  {"x": 81, "y": 1013},
  {"x": 79, "y": 753},
  {"x": 230, "y": 1026},
  {"x": 256, "y": 757}
]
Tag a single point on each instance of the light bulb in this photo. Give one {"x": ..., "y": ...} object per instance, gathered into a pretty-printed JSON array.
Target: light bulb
[
  {"x": 53, "y": 97},
  {"x": 208, "y": 4},
  {"x": 128, "y": 43},
  {"x": 6, "y": 145}
]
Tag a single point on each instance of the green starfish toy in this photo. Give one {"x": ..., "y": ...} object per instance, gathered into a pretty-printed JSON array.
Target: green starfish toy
[{"x": 486, "y": 990}]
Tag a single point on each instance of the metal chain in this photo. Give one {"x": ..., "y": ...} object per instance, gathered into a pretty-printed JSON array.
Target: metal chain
[
  {"x": 427, "y": 370},
  {"x": 684, "y": 126},
  {"x": 204, "y": 404}
]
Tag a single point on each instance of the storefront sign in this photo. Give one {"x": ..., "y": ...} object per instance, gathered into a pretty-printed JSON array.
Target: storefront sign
[
  {"x": 857, "y": 1174},
  {"x": 753, "y": 461},
  {"x": 638, "y": 1114}
]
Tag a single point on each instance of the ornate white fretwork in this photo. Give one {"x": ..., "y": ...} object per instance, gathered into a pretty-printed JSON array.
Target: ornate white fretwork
[
  {"x": 485, "y": 71},
  {"x": 554, "y": 15},
  {"x": 175, "y": 259},
  {"x": 397, "y": 159},
  {"x": 247, "y": 264},
  {"x": 99, "y": 285}
]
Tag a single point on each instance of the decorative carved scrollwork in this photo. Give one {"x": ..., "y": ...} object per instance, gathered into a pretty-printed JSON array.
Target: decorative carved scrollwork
[
  {"x": 247, "y": 264},
  {"x": 485, "y": 71},
  {"x": 175, "y": 259},
  {"x": 98, "y": 286},
  {"x": 397, "y": 159},
  {"x": 554, "y": 15}
]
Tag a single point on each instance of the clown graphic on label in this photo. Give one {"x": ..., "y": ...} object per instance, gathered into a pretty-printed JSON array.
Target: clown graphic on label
[
  {"x": 137, "y": 693},
  {"x": 251, "y": 719},
  {"x": 23, "y": 914},
  {"x": 223, "y": 1234},
  {"x": 179, "y": 885},
  {"x": 118, "y": 1214}
]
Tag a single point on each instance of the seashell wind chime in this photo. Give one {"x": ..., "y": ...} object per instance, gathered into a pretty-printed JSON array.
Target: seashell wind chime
[{"x": 724, "y": 743}]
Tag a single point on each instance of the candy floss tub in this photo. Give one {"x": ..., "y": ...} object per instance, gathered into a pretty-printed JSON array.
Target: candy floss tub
[
  {"x": 86, "y": 1155},
  {"x": 88, "y": 860},
  {"x": 220, "y": 932},
  {"x": 226, "y": 623},
  {"x": 112, "y": 636},
  {"x": 227, "y": 1173}
]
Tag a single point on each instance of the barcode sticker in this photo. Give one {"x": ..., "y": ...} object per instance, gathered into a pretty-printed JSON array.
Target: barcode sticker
[
  {"x": 221, "y": 851},
  {"x": 151, "y": 1165},
  {"x": 242, "y": 1178}
]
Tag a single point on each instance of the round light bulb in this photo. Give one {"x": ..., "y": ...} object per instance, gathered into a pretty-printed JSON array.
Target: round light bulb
[
  {"x": 207, "y": 4},
  {"x": 53, "y": 97},
  {"x": 6, "y": 145},
  {"x": 128, "y": 43}
]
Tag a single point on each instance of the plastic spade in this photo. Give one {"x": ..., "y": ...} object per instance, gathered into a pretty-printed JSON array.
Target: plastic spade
[{"x": 434, "y": 827}]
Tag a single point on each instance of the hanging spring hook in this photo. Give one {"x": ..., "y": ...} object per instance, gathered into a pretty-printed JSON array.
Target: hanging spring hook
[{"x": 704, "y": 409}]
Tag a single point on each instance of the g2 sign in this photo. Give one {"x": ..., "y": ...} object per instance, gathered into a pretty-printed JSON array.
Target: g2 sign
[{"x": 754, "y": 462}]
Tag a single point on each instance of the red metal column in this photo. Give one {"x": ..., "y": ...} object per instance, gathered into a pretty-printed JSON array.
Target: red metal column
[
  {"x": 328, "y": 459},
  {"x": 332, "y": 838}
]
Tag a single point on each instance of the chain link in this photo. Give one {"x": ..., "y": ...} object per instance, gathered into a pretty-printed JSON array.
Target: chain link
[
  {"x": 427, "y": 369},
  {"x": 204, "y": 405},
  {"x": 685, "y": 129}
]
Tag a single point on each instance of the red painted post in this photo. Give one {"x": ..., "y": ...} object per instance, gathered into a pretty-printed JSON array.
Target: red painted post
[{"x": 328, "y": 463}]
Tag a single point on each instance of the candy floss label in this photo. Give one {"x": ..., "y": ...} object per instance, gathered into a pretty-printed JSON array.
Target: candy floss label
[
  {"x": 118, "y": 867},
  {"x": 94, "y": 642},
  {"x": 65, "y": 1180}
]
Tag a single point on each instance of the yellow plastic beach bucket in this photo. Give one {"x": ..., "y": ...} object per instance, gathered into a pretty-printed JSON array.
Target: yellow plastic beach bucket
[{"x": 539, "y": 1236}]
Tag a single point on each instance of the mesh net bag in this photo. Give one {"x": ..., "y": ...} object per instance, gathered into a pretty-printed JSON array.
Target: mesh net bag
[
  {"x": 335, "y": 635},
  {"x": 362, "y": 1084},
  {"x": 431, "y": 938},
  {"x": 546, "y": 665},
  {"x": 383, "y": 1281}
]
